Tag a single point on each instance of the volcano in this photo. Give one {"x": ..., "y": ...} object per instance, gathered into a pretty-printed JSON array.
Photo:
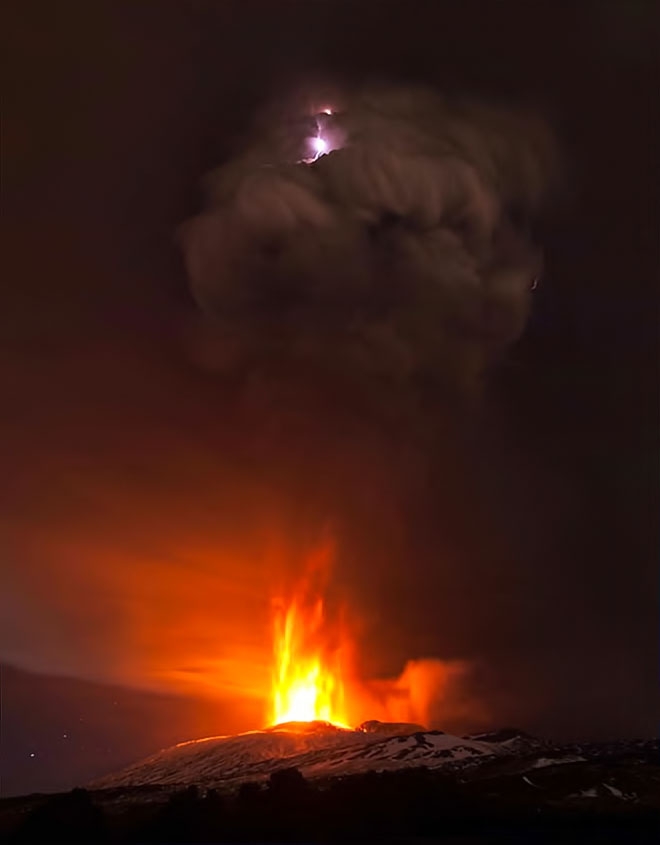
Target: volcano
[
  {"x": 507, "y": 768},
  {"x": 318, "y": 750},
  {"x": 299, "y": 781},
  {"x": 312, "y": 698}
]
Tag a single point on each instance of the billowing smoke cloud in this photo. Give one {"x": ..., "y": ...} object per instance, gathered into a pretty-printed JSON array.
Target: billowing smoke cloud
[{"x": 398, "y": 260}]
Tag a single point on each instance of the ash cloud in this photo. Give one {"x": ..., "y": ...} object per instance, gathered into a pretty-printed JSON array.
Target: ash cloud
[{"x": 398, "y": 261}]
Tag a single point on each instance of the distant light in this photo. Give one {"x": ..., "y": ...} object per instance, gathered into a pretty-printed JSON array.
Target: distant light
[
  {"x": 326, "y": 111},
  {"x": 32, "y": 754}
]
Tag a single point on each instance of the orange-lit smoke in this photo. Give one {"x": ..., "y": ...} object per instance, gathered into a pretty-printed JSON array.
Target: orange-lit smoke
[
  {"x": 427, "y": 692},
  {"x": 181, "y": 601},
  {"x": 314, "y": 676}
]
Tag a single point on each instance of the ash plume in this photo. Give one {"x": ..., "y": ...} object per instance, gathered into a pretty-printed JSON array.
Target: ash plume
[{"x": 360, "y": 266}]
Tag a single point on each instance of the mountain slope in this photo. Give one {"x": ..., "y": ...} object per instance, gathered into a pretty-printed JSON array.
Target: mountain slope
[{"x": 318, "y": 750}]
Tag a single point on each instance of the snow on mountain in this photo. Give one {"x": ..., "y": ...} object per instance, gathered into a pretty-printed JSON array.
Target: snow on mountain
[
  {"x": 542, "y": 762},
  {"x": 317, "y": 749},
  {"x": 322, "y": 751},
  {"x": 509, "y": 738}
]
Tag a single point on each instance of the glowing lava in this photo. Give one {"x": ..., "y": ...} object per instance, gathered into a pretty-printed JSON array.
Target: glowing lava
[{"x": 307, "y": 683}]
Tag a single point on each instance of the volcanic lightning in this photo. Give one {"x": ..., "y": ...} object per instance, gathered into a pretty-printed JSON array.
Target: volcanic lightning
[{"x": 319, "y": 144}]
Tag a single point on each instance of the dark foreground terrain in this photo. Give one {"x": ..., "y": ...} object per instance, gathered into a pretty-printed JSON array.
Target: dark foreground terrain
[{"x": 612, "y": 798}]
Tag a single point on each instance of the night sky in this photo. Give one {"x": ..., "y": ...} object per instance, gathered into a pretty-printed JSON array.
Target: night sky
[{"x": 135, "y": 592}]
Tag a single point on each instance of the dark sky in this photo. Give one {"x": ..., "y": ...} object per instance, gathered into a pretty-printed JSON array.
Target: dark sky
[{"x": 125, "y": 519}]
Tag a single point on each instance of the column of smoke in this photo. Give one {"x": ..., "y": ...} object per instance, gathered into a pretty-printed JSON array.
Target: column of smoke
[{"x": 349, "y": 297}]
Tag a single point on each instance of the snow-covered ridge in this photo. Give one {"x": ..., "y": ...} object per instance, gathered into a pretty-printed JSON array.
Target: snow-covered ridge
[
  {"x": 317, "y": 749},
  {"x": 513, "y": 764}
]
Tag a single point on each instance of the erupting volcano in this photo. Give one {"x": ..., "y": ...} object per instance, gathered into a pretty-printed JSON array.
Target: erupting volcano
[
  {"x": 315, "y": 680},
  {"x": 309, "y": 736},
  {"x": 308, "y": 684}
]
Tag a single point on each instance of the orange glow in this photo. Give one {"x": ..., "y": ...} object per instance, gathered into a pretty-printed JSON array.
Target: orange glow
[{"x": 308, "y": 684}]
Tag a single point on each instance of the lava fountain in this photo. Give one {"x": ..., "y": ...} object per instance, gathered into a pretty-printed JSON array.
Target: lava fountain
[{"x": 308, "y": 682}]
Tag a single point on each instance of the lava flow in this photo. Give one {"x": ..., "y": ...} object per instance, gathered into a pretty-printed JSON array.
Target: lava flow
[{"x": 308, "y": 684}]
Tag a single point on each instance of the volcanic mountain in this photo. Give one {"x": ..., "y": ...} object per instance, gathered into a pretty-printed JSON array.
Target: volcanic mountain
[
  {"x": 322, "y": 751},
  {"x": 317, "y": 749},
  {"x": 298, "y": 778}
]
